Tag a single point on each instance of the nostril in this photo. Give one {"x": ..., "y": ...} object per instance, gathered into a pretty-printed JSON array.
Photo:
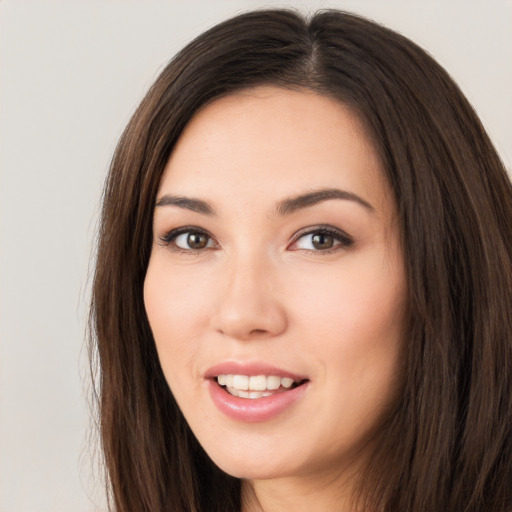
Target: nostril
[{"x": 258, "y": 331}]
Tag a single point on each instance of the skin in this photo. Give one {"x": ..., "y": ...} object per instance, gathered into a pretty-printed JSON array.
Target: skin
[{"x": 262, "y": 291}]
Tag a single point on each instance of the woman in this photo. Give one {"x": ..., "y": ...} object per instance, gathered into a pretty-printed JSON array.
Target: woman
[{"x": 304, "y": 279}]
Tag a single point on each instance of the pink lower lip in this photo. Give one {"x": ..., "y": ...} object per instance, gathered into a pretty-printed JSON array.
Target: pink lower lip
[{"x": 254, "y": 410}]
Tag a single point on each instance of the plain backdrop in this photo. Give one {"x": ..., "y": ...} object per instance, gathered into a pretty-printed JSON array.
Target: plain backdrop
[{"x": 71, "y": 74}]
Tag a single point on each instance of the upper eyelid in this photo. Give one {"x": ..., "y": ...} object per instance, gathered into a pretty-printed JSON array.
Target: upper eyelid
[
  {"x": 184, "y": 229},
  {"x": 322, "y": 228},
  {"x": 172, "y": 233}
]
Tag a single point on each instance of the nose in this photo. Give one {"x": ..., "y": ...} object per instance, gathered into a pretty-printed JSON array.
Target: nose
[{"x": 249, "y": 306}]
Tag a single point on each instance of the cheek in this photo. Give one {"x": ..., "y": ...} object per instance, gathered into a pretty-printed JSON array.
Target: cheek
[
  {"x": 364, "y": 296},
  {"x": 173, "y": 305},
  {"x": 352, "y": 320}
]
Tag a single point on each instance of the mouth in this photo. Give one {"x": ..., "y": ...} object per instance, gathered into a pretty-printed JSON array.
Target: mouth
[
  {"x": 256, "y": 386},
  {"x": 255, "y": 392}
]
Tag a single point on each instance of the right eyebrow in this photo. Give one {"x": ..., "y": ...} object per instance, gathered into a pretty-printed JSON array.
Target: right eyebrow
[
  {"x": 187, "y": 203},
  {"x": 292, "y": 204}
]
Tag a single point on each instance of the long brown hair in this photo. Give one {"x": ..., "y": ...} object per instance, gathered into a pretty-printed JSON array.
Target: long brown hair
[{"x": 448, "y": 444}]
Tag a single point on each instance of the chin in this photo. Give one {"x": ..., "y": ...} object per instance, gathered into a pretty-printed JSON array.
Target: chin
[
  {"x": 251, "y": 467},
  {"x": 245, "y": 471}
]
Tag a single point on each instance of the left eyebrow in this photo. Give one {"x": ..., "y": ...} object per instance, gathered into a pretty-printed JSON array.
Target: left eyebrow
[
  {"x": 188, "y": 203},
  {"x": 292, "y": 204}
]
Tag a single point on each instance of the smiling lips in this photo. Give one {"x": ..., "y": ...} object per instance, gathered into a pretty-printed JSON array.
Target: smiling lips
[
  {"x": 255, "y": 393},
  {"x": 255, "y": 386}
]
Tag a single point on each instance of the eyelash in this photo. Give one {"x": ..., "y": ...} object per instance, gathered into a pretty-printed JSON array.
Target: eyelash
[
  {"x": 345, "y": 241},
  {"x": 169, "y": 238},
  {"x": 338, "y": 235}
]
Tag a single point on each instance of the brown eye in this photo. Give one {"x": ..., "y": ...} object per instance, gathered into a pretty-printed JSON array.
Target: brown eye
[
  {"x": 326, "y": 239},
  {"x": 189, "y": 240},
  {"x": 197, "y": 240},
  {"x": 322, "y": 241}
]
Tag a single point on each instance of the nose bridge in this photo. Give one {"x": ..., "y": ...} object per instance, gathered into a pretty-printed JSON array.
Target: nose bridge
[
  {"x": 248, "y": 303},
  {"x": 248, "y": 268}
]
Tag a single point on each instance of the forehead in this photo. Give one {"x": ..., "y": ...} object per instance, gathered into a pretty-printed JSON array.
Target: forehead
[{"x": 268, "y": 142}]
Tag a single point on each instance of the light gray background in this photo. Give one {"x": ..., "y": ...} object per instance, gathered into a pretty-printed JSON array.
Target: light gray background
[{"x": 71, "y": 73}]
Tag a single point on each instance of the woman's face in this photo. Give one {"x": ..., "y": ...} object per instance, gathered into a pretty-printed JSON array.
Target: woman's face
[{"x": 276, "y": 287}]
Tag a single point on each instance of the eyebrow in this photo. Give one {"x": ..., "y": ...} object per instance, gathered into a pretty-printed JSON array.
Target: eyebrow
[
  {"x": 292, "y": 204},
  {"x": 284, "y": 207},
  {"x": 188, "y": 203}
]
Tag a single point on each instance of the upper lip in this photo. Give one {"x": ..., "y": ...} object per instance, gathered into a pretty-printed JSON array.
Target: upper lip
[{"x": 250, "y": 369}]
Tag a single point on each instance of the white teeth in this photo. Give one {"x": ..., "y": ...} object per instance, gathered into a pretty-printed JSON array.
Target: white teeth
[
  {"x": 286, "y": 382},
  {"x": 248, "y": 394},
  {"x": 273, "y": 382},
  {"x": 258, "y": 383},
  {"x": 241, "y": 382},
  {"x": 254, "y": 383}
]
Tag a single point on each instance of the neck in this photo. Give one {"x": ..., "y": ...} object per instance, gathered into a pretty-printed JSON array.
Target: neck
[{"x": 299, "y": 494}]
